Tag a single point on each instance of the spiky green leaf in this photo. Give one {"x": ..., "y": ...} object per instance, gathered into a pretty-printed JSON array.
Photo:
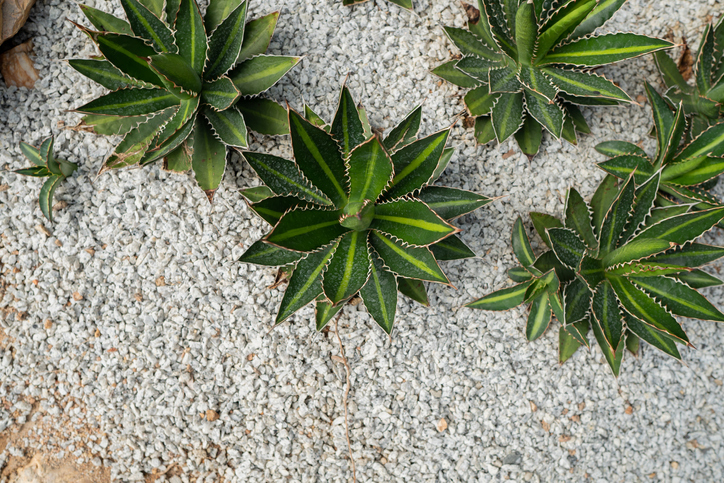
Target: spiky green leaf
[
  {"x": 380, "y": 295},
  {"x": 305, "y": 284},
  {"x": 604, "y": 49},
  {"x": 584, "y": 84},
  {"x": 451, "y": 248},
  {"x": 105, "y": 22},
  {"x": 228, "y": 126},
  {"x": 539, "y": 317},
  {"x": 347, "y": 127},
  {"x": 640, "y": 305},
  {"x": 370, "y": 170},
  {"x": 405, "y": 132},
  {"x": 147, "y": 25},
  {"x": 131, "y": 102},
  {"x": 225, "y": 41},
  {"x": 257, "y": 74},
  {"x": 415, "y": 164},
  {"x": 348, "y": 269},
  {"x": 450, "y": 203},
  {"x": 615, "y": 220},
  {"x": 190, "y": 35},
  {"x": 209, "y": 158},
  {"x": 541, "y": 222},
  {"x": 504, "y": 299},
  {"x": 317, "y": 155},
  {"x": 411, "y": 221},
  {"x": 262, "y": 253},
  {"x": 104, "y": 73},
  {"x": 283, "y": 177},
  {"x": 507, "y": 115},
  {"x": 453, "y": 75},
  {"x": 257, "y": 36},
  {"x": 550, "y": 116},
  {"x": 606, "y": 314},
  {"x": 578, "y": 218},
  {"x": 409, "y": 262},
  {"x": 46, "y": 195},
  {"x": 264, "y": 116},
  {"x": 683, "y": 228}
]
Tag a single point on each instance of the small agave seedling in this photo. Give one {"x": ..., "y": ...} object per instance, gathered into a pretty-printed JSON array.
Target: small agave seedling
[
  {"x": 401, "y": 3},
  {"x": 529, "y": 65},
  {"x": 688, "y": 171},
  {"x": 702, "y": 101},
  {"x": 620, "y": 266},
  {"x": 177, "y": 83},
  {"x": 353, "y": 213},
  {"x": 46, "y": 165}
]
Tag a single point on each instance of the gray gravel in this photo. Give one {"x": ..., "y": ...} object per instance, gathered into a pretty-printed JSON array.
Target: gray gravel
[{"x": 145, "y": 359}]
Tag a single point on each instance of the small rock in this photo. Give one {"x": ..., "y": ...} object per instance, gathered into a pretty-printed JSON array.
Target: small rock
[
  {"x": 513, "y": 458},
  {"x": 441, "y": 425},
  {"x": 77, "y": 296},
  {"x": 17, "y": 68},
  {"x": 211, "y": 415},
  {"x": 161, "y": 281}
]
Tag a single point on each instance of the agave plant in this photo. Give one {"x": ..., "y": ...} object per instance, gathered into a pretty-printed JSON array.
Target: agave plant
[
  {"x": 620, "y": 266},
  {"x": 401, "y": 3},
  {"x": 46, "y": 165},
  {"x": 177, "y": 83},
  {"x": 688, "y": 170},
  {"x": 354, "y": 213},
  {"x": 702, "y": 102},
  {"x": 529, "y": 65}
]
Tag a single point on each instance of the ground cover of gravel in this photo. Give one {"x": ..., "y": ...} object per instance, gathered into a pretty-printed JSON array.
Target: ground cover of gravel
[{"x": 131, "y": 320}]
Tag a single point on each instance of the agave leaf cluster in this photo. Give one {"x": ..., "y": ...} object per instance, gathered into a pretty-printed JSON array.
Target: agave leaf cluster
[
  {"x": 355, "y": 213},
  {"x": 688, "y": 169},
  {"x": 46, "y": 165},
  {"x": 702, "y": 101},
  {"x": 529, "y": 64},
  {"x": 182, "y": 83},
  {"x": 619, "y": 266}
]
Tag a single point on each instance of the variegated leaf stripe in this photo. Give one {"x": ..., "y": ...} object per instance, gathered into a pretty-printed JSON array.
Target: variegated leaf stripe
[
  {"x": 32, "y": 153},
  {"x": 657, "y": 338},
  {"x": 148, "y": 26},
  {"x": 259, "y": 73},
  {"x": 328, "y": 181},
  {"x": 283, "y": 176},
  {"x": 539, "y": 317},
  {"x": 228, "y": 126},
  {"x": 615, "y": 220},
  {"x": 225, "y": 43},
  {"x": 578, "y": 218},
  {"x": 257, "y": 35},
  {"x": 306, "y": 282},
  {"x": 584, "y": 84},
  {"x": 104, "y": 73},
  {"x": 679, "y": 298},
  {"x": 380, "y": 295},
  {"x": 521, "y": 245},
  {"x": 131, "y": 102},
  {"x": 347, "y": 127},
  {"x": 561, "y": 22},
  {"x": 370, "y": 170},
  {"x": 708, "y": 143},
  {"x": 410, "y": 221},
  {"x": 604, "y": 49},
  {"x": 208, "y": 159},
  {"x": 504, "y": 299},
  {"x": 220, "y": 94},
  {"x": 434, "y": 142},
  {"x": 190, "y": 35},
  {"x": 646, "y": 309},
  {"x": 613, "y": 358},
  {"x": 46, "y": 195},
  {"x": 635, "y": 250},
  {"x": 262, "y": 253},
  {"x": 410, "y": 262},
  {"x": 607, "y": 314},
  {"x": 507, "y": 115},
  {"x": 348, "y": 269},
  {"x": 683, "y": 228},
  {"x": 306, "y": 229}
]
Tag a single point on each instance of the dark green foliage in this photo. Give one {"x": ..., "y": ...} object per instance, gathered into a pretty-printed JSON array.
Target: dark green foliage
[
  {"x": 356, "y": 214},
  {"x": 46, "y": 165},
  {"x": 530, "y": 63},
  {"x": 177, "y": 83},
  {"x": 614, "y": 267},
  {"x": 701, "y": 101},
  {"x": 689, "y": 169}
]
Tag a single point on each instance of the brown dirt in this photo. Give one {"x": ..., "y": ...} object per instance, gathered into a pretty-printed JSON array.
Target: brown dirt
[{"x": 41, "y": 465}]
